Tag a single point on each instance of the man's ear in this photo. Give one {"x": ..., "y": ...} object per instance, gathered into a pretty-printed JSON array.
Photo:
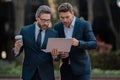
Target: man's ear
[
  {"x": 36, "y": 17},
  {"x": 72, "y": 12}
]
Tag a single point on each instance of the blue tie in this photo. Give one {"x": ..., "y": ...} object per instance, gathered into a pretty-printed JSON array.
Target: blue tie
[{"x": 38, "y": 42}]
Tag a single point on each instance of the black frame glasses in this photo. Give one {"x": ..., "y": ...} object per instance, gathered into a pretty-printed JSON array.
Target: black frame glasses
[{"x": 45, "y": 20}]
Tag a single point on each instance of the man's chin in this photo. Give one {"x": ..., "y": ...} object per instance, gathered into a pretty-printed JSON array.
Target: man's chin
[{"x": 44, "y": 28}]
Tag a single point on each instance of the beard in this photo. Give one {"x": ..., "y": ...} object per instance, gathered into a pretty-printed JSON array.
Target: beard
[{"x": 44, "y": 27}]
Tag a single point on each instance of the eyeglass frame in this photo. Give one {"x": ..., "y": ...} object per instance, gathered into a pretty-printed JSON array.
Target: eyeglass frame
[{"x": 44, "y": 20}]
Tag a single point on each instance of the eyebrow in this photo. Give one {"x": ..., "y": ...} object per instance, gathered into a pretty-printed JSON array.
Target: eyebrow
[{"x": 64, "y": 16}]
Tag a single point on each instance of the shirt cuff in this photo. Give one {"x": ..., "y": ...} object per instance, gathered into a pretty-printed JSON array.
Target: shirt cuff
[{"x": 16, "y": 52}]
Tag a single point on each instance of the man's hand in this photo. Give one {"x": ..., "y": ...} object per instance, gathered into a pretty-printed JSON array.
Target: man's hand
[
  {"x": 54, "y": 52},
  {"x": 75, "y": 42},
  {"x": 18, "y": 45},
  {"x": 64, "y": 54}
]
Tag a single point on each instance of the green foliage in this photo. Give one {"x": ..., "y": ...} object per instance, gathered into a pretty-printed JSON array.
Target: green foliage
[
  {"x": 56, "y": 65},
  {"x": 105, "y": 73},
  {"x": 106, "y": 61},
  {"x": 9, "y": 69},
  {"x": 57, "y": 73},
  {"x": 97, "y": 72}
]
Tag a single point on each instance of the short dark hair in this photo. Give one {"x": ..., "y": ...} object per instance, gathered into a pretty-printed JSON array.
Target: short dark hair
[
  {"x": 43, "y": 9},
  {"x": 65, "y": 7}
]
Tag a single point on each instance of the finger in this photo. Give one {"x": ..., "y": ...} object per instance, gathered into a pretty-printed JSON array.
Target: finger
[
  {"x": 57, "y": 53},
  {"x": 73, "y": 41},
  {"x": 53, "y": 52}
]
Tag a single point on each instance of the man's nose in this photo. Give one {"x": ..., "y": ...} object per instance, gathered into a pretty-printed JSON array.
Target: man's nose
[
  {"x": 64, "y": 19},
  {"x": 46, "y": 23}
]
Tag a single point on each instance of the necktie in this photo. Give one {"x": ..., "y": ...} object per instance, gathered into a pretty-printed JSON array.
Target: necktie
[{"x": 38, "y": 42}]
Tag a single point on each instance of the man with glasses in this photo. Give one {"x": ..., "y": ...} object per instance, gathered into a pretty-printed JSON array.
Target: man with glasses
[{"x": 37, "y": 64}]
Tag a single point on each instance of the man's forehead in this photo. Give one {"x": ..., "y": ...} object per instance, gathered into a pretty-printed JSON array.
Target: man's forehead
[
  {"x": 65, "y": 15},
  {"x": 45, "y": 16}
]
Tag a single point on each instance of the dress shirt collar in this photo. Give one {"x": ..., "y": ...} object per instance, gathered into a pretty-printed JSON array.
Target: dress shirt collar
[{"x": 37, "y": 28}]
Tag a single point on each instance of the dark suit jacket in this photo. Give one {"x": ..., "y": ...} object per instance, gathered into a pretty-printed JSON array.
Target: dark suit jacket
[
  {"x": 33, "y": 58},
  {"x": 79, "y": 58}
]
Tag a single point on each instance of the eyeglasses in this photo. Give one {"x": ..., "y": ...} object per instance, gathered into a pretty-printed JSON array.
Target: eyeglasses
[{"x": 45, "y": 20}]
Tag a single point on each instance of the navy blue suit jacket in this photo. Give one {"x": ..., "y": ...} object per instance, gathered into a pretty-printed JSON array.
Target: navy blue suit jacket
[
  {"x": 79, "y": 58},
  {"x": 33, "y": 58}
]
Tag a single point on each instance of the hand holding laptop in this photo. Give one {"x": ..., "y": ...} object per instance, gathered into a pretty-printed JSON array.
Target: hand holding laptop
[
  {"x": 55, "y": 53},
  {"x": 59, "y": 46}
]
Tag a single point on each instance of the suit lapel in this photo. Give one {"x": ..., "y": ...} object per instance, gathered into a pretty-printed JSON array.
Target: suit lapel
[
  {"x": 32, "y": 34},
  {"x": 75, "y": 29},
  {"x": 62, "y": 33}
]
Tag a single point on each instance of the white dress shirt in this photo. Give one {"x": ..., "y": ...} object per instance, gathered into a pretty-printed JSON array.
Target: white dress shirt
[{"x": 69, "y": 31}]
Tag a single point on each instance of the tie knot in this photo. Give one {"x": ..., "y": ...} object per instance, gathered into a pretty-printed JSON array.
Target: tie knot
[{"x": 40, "y": 30}]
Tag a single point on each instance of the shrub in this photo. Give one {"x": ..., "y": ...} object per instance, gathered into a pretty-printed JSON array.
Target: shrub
[
  {"x": 106, "y": 61},
  {"x": 9, "y": 69},
  {"x": 105, "y": 73}
]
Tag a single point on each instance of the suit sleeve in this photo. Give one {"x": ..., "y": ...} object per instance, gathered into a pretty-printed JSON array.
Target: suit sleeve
[
  {"x": 89, "y": 40},
  {"x": 17, "y": 53},
  {"x": 21, "y": 49}
]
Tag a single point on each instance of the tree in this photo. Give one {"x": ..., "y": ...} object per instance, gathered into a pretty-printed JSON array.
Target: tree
[
  {"x": 19, "y": 6},
  {"x": 111, "y": 25},
  {"x": 90, "y": 10},
  {"x": 105, "y": 23}
]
